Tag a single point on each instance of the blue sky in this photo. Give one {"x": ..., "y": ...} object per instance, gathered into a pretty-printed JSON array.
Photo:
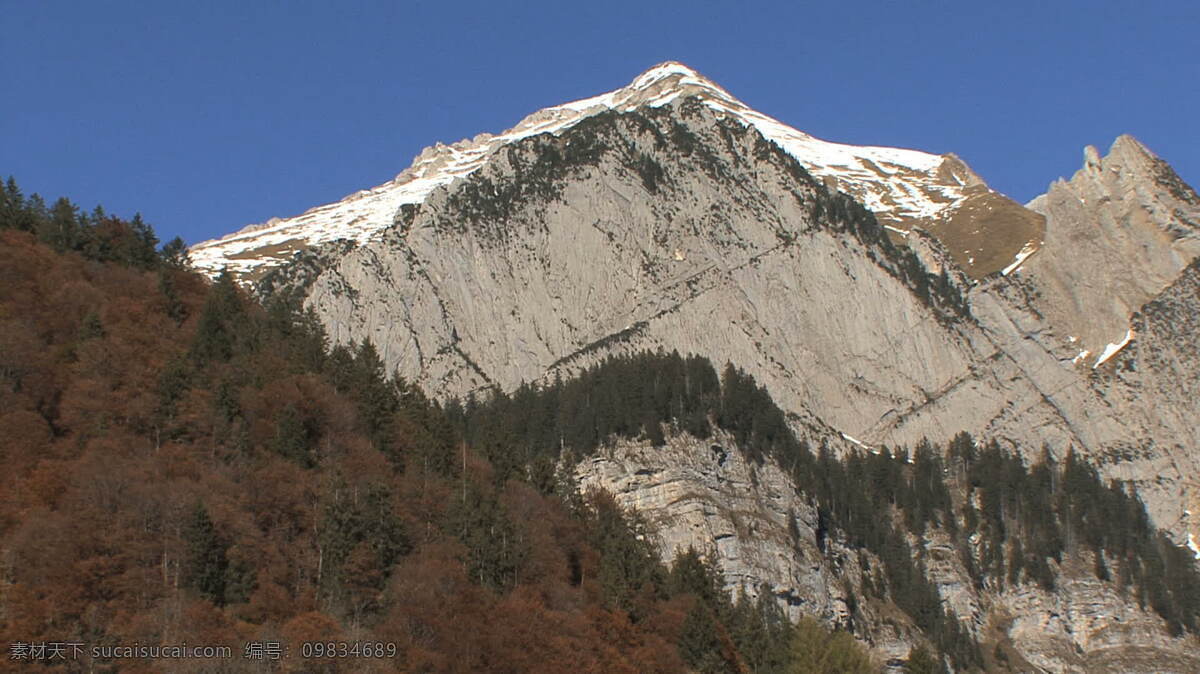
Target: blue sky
[{"x": 207, "y": 116}]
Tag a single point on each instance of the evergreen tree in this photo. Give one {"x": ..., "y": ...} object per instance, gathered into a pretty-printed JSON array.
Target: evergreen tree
[
  {"x": 173, "y": 304},
  {"x": 205, "y": 563},
  {"x": 922, "y": 661},
  {"x": 294, "y": 437},
  {"x": 692, "y": 574},
  {"x": 629, "y": 563},
  {"x": 361, "y": 539},
  {"x": 175, "y": 255},
  {"x": 14, "y": 212},
  {"x": 495, "y": 548},
  {"x": 699, "y": 641},
  {"x": 221, "y": 327},
  {"x": 61, "y": 229}
]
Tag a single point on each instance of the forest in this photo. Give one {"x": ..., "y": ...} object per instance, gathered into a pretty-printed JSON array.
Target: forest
[{"x": 185, "y": 464}]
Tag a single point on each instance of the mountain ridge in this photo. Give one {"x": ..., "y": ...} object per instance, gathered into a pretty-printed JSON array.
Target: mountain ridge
[{"x": 903, "y": 187}]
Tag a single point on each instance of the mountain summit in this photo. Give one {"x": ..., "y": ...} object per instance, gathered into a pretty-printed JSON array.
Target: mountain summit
[{"x": 902, "y": 187}]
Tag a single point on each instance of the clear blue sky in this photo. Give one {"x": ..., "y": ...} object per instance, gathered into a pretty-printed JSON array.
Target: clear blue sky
[{"x": 206, "y": 116}]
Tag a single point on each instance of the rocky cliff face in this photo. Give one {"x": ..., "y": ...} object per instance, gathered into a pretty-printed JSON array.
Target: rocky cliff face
[
  {"x": 1086, "y": 317},
  {"x": 1118, "y": 232},
  {"x": 679, "y": 228},
  {"x": 706, "y": 495}
]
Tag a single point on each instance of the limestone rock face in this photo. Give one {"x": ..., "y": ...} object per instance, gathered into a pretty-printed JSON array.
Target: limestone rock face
[
  {"x": 1086, "y": 626},
  {"x": 706, "y": 495},
  {"x": 705, "y": 262},
  {"x": 1117, "y": 233},
  {"x": 678, "y": 227},
  {"x": 1154, "y": 383},
  {"x": 1110, "y": 296}
]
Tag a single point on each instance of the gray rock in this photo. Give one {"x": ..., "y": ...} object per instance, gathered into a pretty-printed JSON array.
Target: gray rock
[{"x": 762, "y": 534}]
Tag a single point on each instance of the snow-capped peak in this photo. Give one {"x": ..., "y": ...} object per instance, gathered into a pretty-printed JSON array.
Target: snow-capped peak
[{"x": 899, "y": 185}]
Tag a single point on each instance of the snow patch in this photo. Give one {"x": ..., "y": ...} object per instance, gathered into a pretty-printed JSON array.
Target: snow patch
[
  {"x": 1026, "y": 251},
  {"x": 1112, "y": 349},
  {"x": 1191, "y": 544},
  {"x": 859, "y": 443}
]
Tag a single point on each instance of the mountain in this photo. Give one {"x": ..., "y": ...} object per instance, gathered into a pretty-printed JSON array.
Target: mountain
[{"x": 881, "y": 296}]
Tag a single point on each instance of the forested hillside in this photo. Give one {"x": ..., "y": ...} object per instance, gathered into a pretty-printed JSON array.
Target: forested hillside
[
  {"x": 1009, "y": 522},
  {"x": 184, "y": 465}
]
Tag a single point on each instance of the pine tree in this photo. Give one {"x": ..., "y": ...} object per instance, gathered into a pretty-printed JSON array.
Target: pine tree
[
  {"x": 699, "y": 642},
  {"x": 205, "y": 564},
  {"x": 293, "y": 438},
  {"x": 173, "y": 304},
  {"x": 359, "y": 533},
  {"x": 173, "y": 381},
  {"x": 14, "y": 212},
  {"x": 142, "y": 250},
  {"x": 61, "y": 230},
  {"x": 692, "y": 574},
  {"x": 495, "y": 549},
  {"x": 174, "y": 254},
  {"x": 629, "y": 561},
  {"x": 217, "y": 333}
]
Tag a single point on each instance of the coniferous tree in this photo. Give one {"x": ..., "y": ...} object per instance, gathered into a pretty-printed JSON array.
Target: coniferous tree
[
  {"x": 629, "y": 563},
  {"x": 61, "y": 229},
  {"x": 294, "y": 437},
  {"x": 699, "y": 641},
  {"x": 175, "y": 254},
  {"x": 206, "y": 564},
  {"x": 495, "y": 548},
  {"x": 220, "y": 327},
  {"x": 922, "y": 661},
  {"x": 361, "y": 539},
  {"x": 173, "y": 304}
]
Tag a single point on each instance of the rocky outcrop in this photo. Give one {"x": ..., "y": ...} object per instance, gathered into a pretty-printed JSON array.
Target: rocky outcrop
[
  {"x": 706, "y": 495},
  {"x": 750, "y": 518},
  {"x": 1084, "y": 313},
  {"x": 1117, "y": 233}
]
